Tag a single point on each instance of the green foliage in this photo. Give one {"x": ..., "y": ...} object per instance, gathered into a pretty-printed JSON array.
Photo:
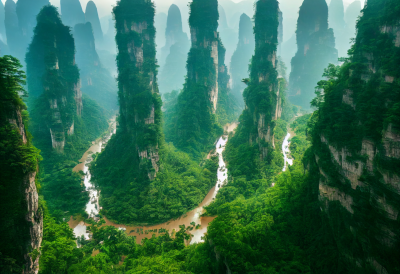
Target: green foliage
[
  {"x": 180, "y": 184},
  {"x": 18, "y": 161}
]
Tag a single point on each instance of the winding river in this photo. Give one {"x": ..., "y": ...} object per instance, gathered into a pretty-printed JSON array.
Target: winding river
[{"x": 194, "y": 216}]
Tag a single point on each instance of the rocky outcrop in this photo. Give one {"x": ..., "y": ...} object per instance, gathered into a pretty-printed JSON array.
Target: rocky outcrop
[
  {"x": 174, "y": 53},
  {"x": 140, "y": 109},
  {"x": 53, "y": 77},
  {"x": 72, "y": 13},
  {"x": 357, "y": 148},
  {"x": 315, "y": 50},
  {"x": 92, "y": 16},
  {"x": 239, "y": 67}
]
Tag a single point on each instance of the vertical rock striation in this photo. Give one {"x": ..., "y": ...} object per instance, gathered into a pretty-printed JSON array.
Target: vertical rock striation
[
  {"x": 71, "y": 12},
  {"x": 21, "y": 221},
  {"x": 315, "y": 50},
  {"x": 356, "y": 142},
  {"x": 262, "y": 96},
  {"x": 239, "y": 66},
  {"x": 53, "y": 77},
  {"x": 92, "y": 16},
  {"x": 174, "y": 53},
  {"x": 140, "y": 102},
  {"x": 96, "y": 81},
  {"x": 197, "y": 103}
]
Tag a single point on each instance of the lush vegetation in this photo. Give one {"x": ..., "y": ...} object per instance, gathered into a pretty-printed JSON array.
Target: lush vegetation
[
  {"x": 18, "y": 161},
  {"x": 63, "y": 124}
]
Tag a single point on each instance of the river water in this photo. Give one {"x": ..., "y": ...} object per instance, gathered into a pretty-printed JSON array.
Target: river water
[{"x": 194, "y": 216}]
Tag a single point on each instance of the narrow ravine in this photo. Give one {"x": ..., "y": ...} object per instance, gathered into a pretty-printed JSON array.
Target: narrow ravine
[{"x": 194, "y": 216}]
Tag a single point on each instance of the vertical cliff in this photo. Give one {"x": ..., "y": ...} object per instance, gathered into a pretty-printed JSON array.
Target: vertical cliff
[
  {"x": 197, "y": 103},
  {"x": 280, "y": 33},
  {"x": 96, "y": 81},
  {"x": 27, "y": 10},
  {"x": 350, "y": 17},
  {"x": 71, "y": 12},
  {"x": 53, "y": 77},
  {"x": 174, "y": 53},
  {"x": 227, "y": 35},
  {"x": 356, "y": 142},
  {"x": 92, "y": 16},
  {"x": 21, "y": 220},
  {"x": 239, "y": 67},
  {"x": 3, "y": 35},
  {"x": 315, "y": 50},
  {"x": 139, "y": 100},
  {"x": 262, "y": 96}
]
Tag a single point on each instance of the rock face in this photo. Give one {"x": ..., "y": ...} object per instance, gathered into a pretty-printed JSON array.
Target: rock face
[
  {"x": 337, "y": 23},
  {"x": 262, "y": 96},
  {"x": 92, "y": 16},
  {"x": 96, "y": 81},
  {"x": 21, "y": 221},
  {"x": 140, "y": 103},
  {"x": 280, "y": 33},
  {"x": 27, "y": 10},
  {"x": 71, "y": 12},
  {"x": 350, "y": 17},
  {"x": 239, "y": 66},
  {"x": 315, "y": 50},
  {"x": 174, "y": 53},
  {"x": 53, "y": 77},
  {"x": 356, "y": 142},
  {"x": 198, "y": 101}
]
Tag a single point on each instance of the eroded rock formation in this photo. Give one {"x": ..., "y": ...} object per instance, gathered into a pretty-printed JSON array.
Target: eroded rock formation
[
  {"x": 71, "y": 12},
  {"x": 140, "y": 103},
  {"x": 356, "y": 142},
  {"x": 337, "y": 23},
  {"x": 92, "y": 16},
  {"x": 315, "y": 50},
  {"x": 53, "y": 77}
]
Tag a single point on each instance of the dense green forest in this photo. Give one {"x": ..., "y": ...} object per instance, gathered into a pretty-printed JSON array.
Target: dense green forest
[
  {"x": 333, "y": 209},
  {"x": 63, "y": 122}
]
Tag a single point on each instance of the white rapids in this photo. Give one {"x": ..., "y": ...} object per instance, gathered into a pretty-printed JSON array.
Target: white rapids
[{"x": 286, "y": 152}]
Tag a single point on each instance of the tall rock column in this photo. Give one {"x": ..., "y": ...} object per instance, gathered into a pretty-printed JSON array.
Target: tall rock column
[
  {"x": 13, "y": 32},
  {"x": 174, "y": 53},
  {"x": 140, "y": 103},
  {"x": 337, "y": 23},
  {"x": 315, "y": 50},
  {"x": 72, "y": 13},
  {"x": 262, "y": 96},
  {"x": 53, "y": 77},
  {"x": 21, "y": 219},
  {"x": 197, "y": 102},
  {"x": 92, "y": 16},
  {"x": 239, "y": 66}
]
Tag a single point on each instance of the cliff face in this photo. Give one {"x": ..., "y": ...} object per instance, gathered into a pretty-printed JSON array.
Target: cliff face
[
  {"x": 228, "y": 35},
  {"x": 356, "y": 141},
  {"x": 92, "y": 16},
  {"x": 315, "y": 50},
  {"x": 174, "y": 53},
  {"x": 21, "y": 221},
  {"x": 350, "y": 17},
  {"x": 239, "y": 66},
  {"x": 96, "y": 81},
  {"x": 2, "y": 26},
  {"x": 71, "y": 12},
  {"x": 197, "y": 102},
  {"x": 27, "y": 10},
  {"x": 53, "y": 77},
  {"x": 13, "y": 31},
  {"x": 262, "y": 96},
  {"x": 140, "y": 103}
]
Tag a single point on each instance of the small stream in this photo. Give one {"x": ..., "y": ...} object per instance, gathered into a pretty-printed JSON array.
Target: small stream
[
  {"x": 92, "y": 208},
  {"x": 286, "y": 152}
]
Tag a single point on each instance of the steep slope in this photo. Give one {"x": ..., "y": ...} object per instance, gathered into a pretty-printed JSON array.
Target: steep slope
[
  {"x": 160, "y": 182},
  {"x": 92, "y": 16},
  {"x": 63, "y": 122},
  {"x": 174, "y": 53},
  {"x": 96, "y": 81},
  {"x": 195, "y": 126},
  {"x": 315, "y": 50},
  {"x": 239, "y": 66},
  {"x": 356, "y": 142},
  {"x": 21, "y": 220}
]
